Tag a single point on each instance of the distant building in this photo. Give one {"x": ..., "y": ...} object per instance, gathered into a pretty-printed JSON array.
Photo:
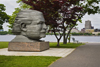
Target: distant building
[
  {"x": 92, "y": 27},
  {"x": 82, "y": 30},
  {"x": 96, "y": 31},
  {"x": 88, "y": 27},
  {"x": 89, "y": 30},
  {"x": 75, "y": 30},
  {"x": 88, "y": 24}
]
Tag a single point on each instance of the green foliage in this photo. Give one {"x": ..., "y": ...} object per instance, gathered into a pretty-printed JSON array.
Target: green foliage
[
  {"x": 52, "y": 45},
  {"x": 10, "y": 31},
  {"x": 3, "y": 45},
  {"x": 49, "y": 33},
  {"x": 3, "y": 16},
  {"x": 3, "y": 32},
  {"x": 12, "y": 18},
  {"x": 99, "y": 34},
  {"x": 68, "y": 45},
  {"x": 80, "y": 20},
  {"x": 26, "y": 61},
  {"x": 23, "y": 5},
  {"x": 89, "y": 34},
  {"x": 91, "y": 7}
]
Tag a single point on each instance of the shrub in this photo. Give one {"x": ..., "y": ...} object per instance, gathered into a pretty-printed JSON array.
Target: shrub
[
  {"x": 99, "y": 34},
  {"x": 3, "y": 32},
  {"x": 82, "y": 34}
]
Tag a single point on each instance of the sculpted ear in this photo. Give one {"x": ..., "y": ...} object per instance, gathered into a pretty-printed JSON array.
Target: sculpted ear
[{"x": 23, "y": 26}]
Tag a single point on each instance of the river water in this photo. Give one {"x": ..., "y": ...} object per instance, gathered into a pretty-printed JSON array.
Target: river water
[{"x": 51, "y": 38}]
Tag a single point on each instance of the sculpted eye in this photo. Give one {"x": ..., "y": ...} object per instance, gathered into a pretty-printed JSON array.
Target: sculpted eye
[
  {"x": 41, "y": 22},
  {"x": 23, "y": 25}
]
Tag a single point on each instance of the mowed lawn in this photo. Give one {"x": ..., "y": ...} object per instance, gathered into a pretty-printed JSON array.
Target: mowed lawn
[
  {"x": 68, "y": 45},
  {"x": 26, "y": 61},
  {"x": 3, "y": 44},
  {"x": 31, "y": 61},
  {"x": 52, "y": 45}
]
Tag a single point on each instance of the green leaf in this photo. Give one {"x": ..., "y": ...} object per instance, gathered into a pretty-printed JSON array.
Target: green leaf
[{"x": 80, "y": 20}]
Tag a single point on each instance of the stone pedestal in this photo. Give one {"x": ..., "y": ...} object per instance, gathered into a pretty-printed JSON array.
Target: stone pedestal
[{"x": 28, "y": 46}]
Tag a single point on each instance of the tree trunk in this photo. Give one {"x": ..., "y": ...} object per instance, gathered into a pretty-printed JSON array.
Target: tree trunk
[
  {"x": 58, "y": 43},
  {"x": 58, "y": 39},
  {"x": 64, "y": 37},
  {"x": 69, "y": 33},
  {"x": 69, "y": 38}
]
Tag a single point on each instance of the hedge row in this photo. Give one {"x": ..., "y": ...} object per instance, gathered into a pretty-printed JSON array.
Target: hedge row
[
  {"x": 4, "y": 32},
  {"x": 82, "y": 34}
]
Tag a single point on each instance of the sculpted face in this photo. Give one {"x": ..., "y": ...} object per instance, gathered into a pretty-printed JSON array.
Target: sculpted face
[
  {"x": 37, "y": 28},
  {"x": 32, "y": 25}
]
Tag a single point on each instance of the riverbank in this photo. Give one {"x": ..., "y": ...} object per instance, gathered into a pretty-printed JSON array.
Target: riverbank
[{"x": 52, "y": 38}]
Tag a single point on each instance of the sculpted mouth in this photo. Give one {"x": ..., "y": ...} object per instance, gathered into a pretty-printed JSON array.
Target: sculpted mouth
[{"x": 43, "y": 31}]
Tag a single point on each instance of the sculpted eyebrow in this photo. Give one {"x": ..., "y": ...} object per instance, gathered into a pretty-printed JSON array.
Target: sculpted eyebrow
[{"x": 40, "y": 22}]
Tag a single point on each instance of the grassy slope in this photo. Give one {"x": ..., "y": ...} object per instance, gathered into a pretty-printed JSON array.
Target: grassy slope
[{"x": 26, "y": 61}]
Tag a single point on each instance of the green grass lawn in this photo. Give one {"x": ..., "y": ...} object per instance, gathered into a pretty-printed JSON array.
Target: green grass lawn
[
  {"x": 69, "y": 45},
  {"x": 3, "y": 45},
  {"x": 26, "y": 61},
  {"x": 31, "y": 61},
  {"x": 52, "y": 45}
]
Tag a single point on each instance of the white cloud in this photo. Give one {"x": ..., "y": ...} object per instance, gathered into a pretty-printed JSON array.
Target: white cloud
[
  {"x": 95, "y": 21},
  {"x": 10, "y": 5}
]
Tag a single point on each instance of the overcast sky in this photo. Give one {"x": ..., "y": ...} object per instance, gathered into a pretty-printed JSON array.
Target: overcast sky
[{"x": 11, "y": 5}]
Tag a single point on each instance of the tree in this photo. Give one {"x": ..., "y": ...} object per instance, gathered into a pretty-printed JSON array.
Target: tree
[
  {"x": 3, "y": 16},
  {"x": 75, "y": 11},
  {"x": 61, "y": 15},
  {"x": 66, "y": 11}
]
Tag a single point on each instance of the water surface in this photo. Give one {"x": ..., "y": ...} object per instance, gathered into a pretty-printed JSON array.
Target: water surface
[{"x": 52, "y": 38}]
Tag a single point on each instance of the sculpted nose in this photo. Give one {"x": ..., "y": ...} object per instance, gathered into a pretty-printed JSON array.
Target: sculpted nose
[{"x": 44, "y": 26}]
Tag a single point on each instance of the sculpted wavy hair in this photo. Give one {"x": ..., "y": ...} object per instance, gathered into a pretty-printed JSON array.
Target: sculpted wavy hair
[{"x": 26, "y": 17}]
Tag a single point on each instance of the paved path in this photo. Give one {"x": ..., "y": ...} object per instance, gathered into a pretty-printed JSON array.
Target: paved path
[
  {"x": 84, "y": 56},
  {"x": 58, "y": 52}
]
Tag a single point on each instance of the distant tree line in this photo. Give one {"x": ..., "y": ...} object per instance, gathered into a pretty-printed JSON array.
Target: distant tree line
[
  {"x": 76, "y": 34},
  {"x": 99, "y": 34},
  {"x": 5, "y": 32},
  {"x": 89, "y": 34}
]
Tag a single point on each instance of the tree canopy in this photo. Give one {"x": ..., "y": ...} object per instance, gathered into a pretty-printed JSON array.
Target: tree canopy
[
  {"x": 62, "y": 15},
  {"x": 68, "y": 12},
  {"x": 3, "y": 16}
]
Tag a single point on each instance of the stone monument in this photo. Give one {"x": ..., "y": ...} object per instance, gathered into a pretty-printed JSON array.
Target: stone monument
[{"x": 29, "y": 27}]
